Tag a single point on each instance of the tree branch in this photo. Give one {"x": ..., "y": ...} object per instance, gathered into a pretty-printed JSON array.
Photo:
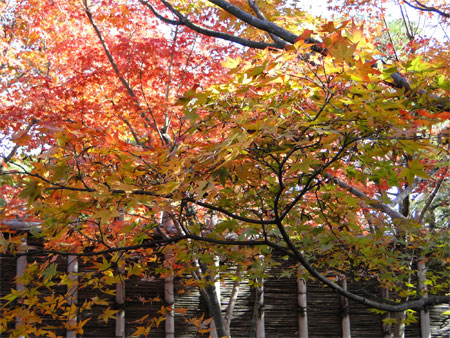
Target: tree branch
[
  {"x": 13, "y": 151},
  {"x": 264, "y": 25},
  {"x": 422, "y": 7},
  {"x": 182, "y": 20},
  {"x": 253, "y": 5},
  {"x": 117, "y": 71},
  {"x": 431, "y": 198},
  {"x": 399, "y": 81},
  {"x": 394, "y": 214},
  {"x": 414, "y": 305},
  {"x": 146, "y": 245}
]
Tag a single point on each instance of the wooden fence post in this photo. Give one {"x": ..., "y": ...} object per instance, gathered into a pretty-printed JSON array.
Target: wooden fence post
[
  {"x": 169, "y": 293},
  {"x": 345, "y": 317},
  {"x": 424, "y": 313},
  {"x": 260, "y": 328},
  {"x": 20, "y": 270},
  {"x": 212, "y": 324},
  {"x": 72, "y": 292},
  {"x": 387, "y": 329},
  {"x": 302, "y": 305},
  {"x": 120, "y": 293},
  {"x": 170, "y": 302},
  {"x": 120, "y": 300}
]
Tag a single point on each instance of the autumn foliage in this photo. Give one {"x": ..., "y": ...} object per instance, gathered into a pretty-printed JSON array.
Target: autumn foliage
[{"x": 145, "y": 145}]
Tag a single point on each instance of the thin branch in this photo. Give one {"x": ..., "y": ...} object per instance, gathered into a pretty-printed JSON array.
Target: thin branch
[
  {"x": 108, "y": 52},
  {"x": 308, "y": 185},
  {"x": 394, "y": 214},
  {"x": 390, "y": 38},
  {"x": 293, "y": 252},
  {"x": 155, "y": 243},
  {"x": 58, "y": 186},
  {"x": 422, "y": 7},
  {"x": 431, "y": 198},
  {"x": 414, "y": 305},
  {"x": 166, "y": 126},
  {"x": 12, "y": 153},
  {"x": 116, "y": 69},
  {"x": 159, "y": 16},
  {"x": 230, "y": 214}
]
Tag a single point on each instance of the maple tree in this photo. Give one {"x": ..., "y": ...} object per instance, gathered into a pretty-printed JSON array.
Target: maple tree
[{"x": 303, "y": 145}]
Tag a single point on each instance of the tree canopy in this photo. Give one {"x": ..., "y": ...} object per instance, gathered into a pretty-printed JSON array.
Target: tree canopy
[{"x": 230, "y": 130}]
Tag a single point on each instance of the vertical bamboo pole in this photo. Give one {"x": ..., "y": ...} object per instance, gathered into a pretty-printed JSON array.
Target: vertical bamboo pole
[
  {"x": 387, "y": 332},
  {"x": 260, "y": 328},
  {"x": 120, "y": 293},
  {"x": 120, "y": 300},
  {"x": 399, "y": 326},
  {"x": 170, "y": 302},
  {"x": 302, "y": 304},
  {"x": 345, "y": 317},
  {"x": 20, "y": 270},
  {"x": 169, "y": 294},
  {"x": 72, "y": 292},
  {"x": 212, "y": 324},
  {"x": 424, "y": 313},
  {"x": 21, "y": 265}
]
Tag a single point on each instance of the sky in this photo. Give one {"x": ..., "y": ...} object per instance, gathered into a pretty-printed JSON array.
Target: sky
[{"x": 429, "y": 26}]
